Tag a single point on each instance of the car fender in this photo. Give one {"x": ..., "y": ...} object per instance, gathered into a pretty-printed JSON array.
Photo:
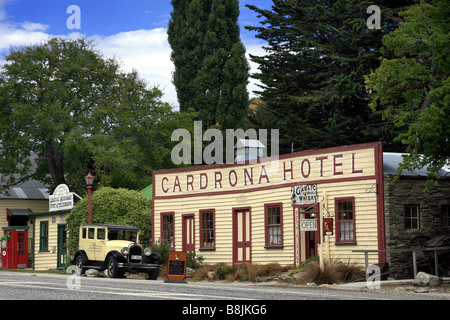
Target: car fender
[
  {"x": 83, "y": 255},
  {"x": 154, "y": 258},
  {"x": 114, "y": 253}
]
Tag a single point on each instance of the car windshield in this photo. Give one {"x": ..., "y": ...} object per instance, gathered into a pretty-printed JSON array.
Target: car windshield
[{"x": 122, "y": 235}]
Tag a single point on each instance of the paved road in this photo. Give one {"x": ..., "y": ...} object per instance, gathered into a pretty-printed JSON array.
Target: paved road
[
  {"x": 39, "y": 286},
  {"x": 194, "y": 300}
]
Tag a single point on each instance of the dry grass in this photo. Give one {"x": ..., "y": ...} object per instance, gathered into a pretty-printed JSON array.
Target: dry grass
[
  {"x": 313, "y": 273},
  {"x": 350, "y": 271},
  {"x": 331, "y": 273},
  {"x": 242, "y": 272}
]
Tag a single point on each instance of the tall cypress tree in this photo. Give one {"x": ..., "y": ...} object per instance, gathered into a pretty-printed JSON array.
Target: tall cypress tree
[
  {"x": 211, "y": 71},
  {"x": 313, "y": 74}
]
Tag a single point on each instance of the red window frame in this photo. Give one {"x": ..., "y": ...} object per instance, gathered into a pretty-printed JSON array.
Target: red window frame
[
  {"x": 167, "y": 219},
  {"x": 345, "y": 216},
  {"x": 207, "y": 226},
  {"x": 271, "y": 225}
]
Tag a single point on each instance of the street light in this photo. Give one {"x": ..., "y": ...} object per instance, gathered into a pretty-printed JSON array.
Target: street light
[{"x": 89, "y": 179}]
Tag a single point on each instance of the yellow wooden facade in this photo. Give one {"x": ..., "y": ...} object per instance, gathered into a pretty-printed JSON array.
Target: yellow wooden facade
[
  {"x": 32, "y": 205},
  {"x": 240, "y": 195},
  {"x": 52, "y": 254}
]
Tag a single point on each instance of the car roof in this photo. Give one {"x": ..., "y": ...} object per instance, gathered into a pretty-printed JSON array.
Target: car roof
[{"x": 111, "y": 226}]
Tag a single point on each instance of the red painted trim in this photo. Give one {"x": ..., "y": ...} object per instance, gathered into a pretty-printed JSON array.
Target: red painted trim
[
  {"x": 172, "y": 213},
  {"x": 317, "y": 233},
  {"x": 368, "y": 145},
  {"x": 288, "y": 184},
  {"x": 336, "y": 219},
  {"x": 234, "y": 227},
  {"x": 380, "y": 202},
  {"x": 184, "y": 229},
  {"x": 200, "y": 219},
  {"x": 266, "y": 227}
]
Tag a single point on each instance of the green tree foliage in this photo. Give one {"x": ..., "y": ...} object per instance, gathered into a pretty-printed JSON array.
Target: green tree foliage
[
  {"x": 411, "y": 87},
  {"x": 111, "y": 206},
  {"x": 211, "y": 70},
  {"x": 313, "y": 73},
  {"x": 75, "y": 111}
]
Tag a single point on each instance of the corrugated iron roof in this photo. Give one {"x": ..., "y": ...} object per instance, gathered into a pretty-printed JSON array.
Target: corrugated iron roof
[
  {"x": 392, "y": 160},
  {"x": 31, "y": 189}
]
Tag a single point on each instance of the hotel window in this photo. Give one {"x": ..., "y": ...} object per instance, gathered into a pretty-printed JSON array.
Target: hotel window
[
  {"x": 345, "y": 220},
  {"x": 207, "y": 230},
  {"x": 412, "y": 217},
  {"x": 43, "y": 236},
  {"x": 167, "y": 229},
  {"x": 273, "y": 225}
]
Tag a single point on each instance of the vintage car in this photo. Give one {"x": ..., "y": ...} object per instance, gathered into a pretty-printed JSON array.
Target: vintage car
[{"x": 115, "y": 249}]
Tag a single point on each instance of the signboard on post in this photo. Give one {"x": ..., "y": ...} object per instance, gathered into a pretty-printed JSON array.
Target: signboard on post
[
  {"x": 327, "y": 226},
  {"x": 61, "y": 199},
  {"x": 308, "y": 224},
  {"x": 176, "y": 267}
]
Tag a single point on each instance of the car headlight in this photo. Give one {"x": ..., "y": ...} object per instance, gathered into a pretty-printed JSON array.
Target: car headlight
[
  {"x": 125, "y": 251},
  {"x": 147, "y": 251}
]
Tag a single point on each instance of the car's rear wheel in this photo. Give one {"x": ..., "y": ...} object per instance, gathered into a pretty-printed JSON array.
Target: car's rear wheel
[
  {"x": 113, "y": 269},
  {"x": 79, "y": 271}
]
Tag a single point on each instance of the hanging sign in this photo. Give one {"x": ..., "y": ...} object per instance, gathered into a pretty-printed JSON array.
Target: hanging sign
[
  {"x": 327, "y": 226},
  {"x": 308, "y": 224},
  {"x": 176, "y": 266},
  {"x": 304, "y": 194}
]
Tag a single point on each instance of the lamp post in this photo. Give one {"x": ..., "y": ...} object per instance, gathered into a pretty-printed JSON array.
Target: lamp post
[{"x": 89, "y": 179}]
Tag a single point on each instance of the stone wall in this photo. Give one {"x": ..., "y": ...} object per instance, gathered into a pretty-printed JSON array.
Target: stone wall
[{"x": 406, "y": 191}]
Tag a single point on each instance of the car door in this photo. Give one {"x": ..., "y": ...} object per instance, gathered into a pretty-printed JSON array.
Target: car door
[{"x": 100, "y": 244}]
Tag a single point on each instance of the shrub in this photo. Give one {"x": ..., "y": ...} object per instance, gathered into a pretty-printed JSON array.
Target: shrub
[
  {"x": 313, "y": 273},
  {"x": 335, "y": 272},
  {"x": 350, "y": 271},
  {"x": 163, "y": 250},
  {"x": 194, "y": 261},
  {"x": 111, "y": 206}
]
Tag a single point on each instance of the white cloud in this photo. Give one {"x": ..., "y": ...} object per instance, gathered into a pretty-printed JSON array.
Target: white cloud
[
  {"x": 146, "y": 51},
  {"x": 31, "y": 26},
  {"x": 12, "y": 35}
]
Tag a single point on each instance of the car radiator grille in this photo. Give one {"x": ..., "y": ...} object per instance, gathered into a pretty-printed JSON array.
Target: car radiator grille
[{"x": 135, "y": 254}]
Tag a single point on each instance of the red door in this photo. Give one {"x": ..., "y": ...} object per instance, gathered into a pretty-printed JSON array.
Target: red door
[
  {"x": 22, "y": 249},
  {"x": 188, "y": 233},
  {"x": 241, "y": 236}
]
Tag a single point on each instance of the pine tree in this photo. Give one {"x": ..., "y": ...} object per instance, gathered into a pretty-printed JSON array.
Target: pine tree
[
  {"x": 313, "y": 74},
  {"x": 211, "y": 71}
]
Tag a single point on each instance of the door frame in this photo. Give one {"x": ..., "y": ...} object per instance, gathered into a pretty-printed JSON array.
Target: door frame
[
  {"x": 60, "y": 252},
  {"x": 247, "y": 243},
  {"x": 184, "y": 219},
  {"x": 304, "y": 246}
]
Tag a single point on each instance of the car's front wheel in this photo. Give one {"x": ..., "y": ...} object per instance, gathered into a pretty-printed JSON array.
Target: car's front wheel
[{"x": 153, "y": 274}]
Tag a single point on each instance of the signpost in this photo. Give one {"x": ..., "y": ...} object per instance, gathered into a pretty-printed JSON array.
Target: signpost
[{"x": 176, "y": 267}]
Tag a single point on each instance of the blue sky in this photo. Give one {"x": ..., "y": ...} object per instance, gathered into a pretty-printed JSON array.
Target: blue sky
[{"x": 132, "y": 31}]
